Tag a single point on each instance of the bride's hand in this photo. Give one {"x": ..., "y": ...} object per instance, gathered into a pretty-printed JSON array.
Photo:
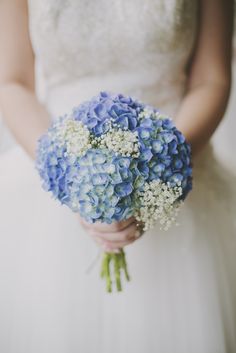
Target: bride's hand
[{"x": 112, "y": 237}]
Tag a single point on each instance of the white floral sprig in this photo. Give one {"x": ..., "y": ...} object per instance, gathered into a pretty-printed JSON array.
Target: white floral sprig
[
  {"x": 159, "y": 201},
  {"x": 75, "y": 136},
  {"x": 121, "y": 142},
  {"x": 148, "y": 112}
]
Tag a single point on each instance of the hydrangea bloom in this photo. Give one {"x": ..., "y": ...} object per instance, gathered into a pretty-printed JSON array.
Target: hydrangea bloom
[
  {"x": 114, "y": 157},
  {"x": 97, "y": 113},
  {"x": 102, "y": 186},
  {"x": 164, "y": 153}
]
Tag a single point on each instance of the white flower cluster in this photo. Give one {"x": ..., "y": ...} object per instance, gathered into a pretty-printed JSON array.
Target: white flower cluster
[
  {"x": 121, "y": 141},
  {"x": 159, "y": 202},
  {"x": 75, "y": 135},
  {"x": 149, "y": 112}
]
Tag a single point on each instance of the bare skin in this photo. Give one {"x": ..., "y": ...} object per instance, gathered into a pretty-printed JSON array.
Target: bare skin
[
  {"x": 202, "y": 108},
  {"x": 24, "y": 115},
  {"x": 209, "y": 76}
]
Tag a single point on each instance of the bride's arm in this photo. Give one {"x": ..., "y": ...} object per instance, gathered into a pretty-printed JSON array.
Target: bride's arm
[
  {"x": 25, "y": 116},
  {"x": 209, "y": 75}
]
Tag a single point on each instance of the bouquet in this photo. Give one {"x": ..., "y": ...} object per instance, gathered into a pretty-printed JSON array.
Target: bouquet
[{"x": 114, "y": 157}]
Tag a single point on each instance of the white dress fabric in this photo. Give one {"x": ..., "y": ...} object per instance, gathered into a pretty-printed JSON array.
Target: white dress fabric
[{"x": 182, "y": 296}]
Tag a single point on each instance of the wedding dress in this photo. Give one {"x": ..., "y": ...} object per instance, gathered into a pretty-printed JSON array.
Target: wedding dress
[{"x": 182, "y": 294}]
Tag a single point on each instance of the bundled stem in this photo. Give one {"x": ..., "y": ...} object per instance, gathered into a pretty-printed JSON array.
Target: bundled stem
[{"x": 112, "y": 266}]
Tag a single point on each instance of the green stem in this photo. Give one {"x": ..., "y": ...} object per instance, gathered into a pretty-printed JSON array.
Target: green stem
[
  {"x": 117, "y": 271},
  {"x": 124, "y": 264},
  {"x": 102, "y": 273},
  {"x": 108, "y": 272},
  {"x": 105, "y": 271},
  {"x": 119, "y": 261}
]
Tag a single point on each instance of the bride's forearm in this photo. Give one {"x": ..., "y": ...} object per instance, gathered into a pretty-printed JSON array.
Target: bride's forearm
[
  {"x": 22, "y": 112},
  {"x": 209, "y": 73},
  {"x": 25, "y": 116},
  {"x": 201, "y": 111}
]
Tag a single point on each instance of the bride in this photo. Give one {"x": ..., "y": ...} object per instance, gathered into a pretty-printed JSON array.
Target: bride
[{"x": 175, "y": 55}]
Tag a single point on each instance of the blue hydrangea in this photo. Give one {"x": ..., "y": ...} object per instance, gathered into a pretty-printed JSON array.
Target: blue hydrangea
[
  {"x": 101, "y": 183},
  {"x": 101, "y": 187},
  {"x": 53, "y": 167},
  {"x": 141, "y": 168},
  {"x": 98, "y": 112},
  {"x": 165, "y": 155}
]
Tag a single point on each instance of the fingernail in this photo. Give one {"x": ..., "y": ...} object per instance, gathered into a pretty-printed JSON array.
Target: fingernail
[{"x": 137, "y": 234}]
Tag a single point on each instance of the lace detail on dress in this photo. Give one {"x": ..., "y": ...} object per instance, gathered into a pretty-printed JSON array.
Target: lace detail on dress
[{"x": 81, "y": 38}]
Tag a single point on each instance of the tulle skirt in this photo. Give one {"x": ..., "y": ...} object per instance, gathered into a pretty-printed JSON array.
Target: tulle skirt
[{"x": 182, "y": 293}]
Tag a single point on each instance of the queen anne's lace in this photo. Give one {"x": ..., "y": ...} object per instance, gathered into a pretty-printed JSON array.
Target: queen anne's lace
[
  {"x": 121, "y": 142},
  {"x": 74, "y": 135},
  {"x": 158, "y": 201}
]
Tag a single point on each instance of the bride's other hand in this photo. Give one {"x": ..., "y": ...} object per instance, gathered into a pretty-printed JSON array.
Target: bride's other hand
[{"x": 112, "y": 237}]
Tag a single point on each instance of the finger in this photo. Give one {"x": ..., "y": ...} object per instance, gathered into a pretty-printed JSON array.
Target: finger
[
  {"x": 111, "y": 246},
  {"x": 122, "y": 243},
  {"x": 116, "y": 245},
  {"x": 93, "y": 228},
  {"x": 126, "y": 234},
  {"x": 113, "y": 227},
  {"x": 105, "y": 246}
]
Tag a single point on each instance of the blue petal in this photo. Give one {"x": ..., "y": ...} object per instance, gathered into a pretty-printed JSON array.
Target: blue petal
[
  {"x": 123, "y": 189},
  {"x": 99, "y": 179},
  {"x": 157, "y": 146}
]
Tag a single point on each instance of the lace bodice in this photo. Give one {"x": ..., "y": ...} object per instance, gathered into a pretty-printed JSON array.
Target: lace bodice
[{"x": 135, "y": 46}]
